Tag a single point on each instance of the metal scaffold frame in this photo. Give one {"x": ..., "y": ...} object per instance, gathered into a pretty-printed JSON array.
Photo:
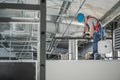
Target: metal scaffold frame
[{"x": 41, "y": 37}]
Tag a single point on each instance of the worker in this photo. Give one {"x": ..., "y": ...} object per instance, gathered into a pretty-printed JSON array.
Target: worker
[{"x": 92, "y": 25}]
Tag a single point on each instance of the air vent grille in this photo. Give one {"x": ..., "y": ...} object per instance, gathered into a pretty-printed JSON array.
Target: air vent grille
[{"x": 116, "y": 39}]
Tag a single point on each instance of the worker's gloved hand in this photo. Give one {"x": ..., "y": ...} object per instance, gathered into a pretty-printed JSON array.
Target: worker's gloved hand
[{"x": 86, "y": 35}]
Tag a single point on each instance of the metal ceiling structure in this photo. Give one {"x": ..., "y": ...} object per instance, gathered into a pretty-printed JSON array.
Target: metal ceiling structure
[
  {"x": 60, "y": 16},
  {"x": 19, "y": 6},
  {"x": 30, "y": 29}
]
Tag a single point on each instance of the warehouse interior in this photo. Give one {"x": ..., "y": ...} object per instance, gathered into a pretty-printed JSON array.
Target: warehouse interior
[{"x": 43, "y": 40}]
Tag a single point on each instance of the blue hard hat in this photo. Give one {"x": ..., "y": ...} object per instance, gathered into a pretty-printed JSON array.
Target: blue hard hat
[{"x": 80, "y": 17}]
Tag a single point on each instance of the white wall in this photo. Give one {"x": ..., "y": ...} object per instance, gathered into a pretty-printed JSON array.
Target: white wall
[{"x": 83, "y": 70}]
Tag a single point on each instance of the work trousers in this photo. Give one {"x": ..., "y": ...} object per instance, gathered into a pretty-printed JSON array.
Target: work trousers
[{"x": 96, "y": 38}]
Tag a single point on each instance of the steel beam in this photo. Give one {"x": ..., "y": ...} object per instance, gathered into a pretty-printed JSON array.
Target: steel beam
[
  {"x": 19, "y": 41},
  {"x": 63, "y": 10},
  {"x": 111, "y": 14},
  {"x": 19, "y": 6},
  {"x": 42, "y": 36},
  {"x": 16, "y": 19}
]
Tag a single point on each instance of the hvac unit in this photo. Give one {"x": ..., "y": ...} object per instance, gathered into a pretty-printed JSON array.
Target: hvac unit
[{"x": 104, "y": 46}]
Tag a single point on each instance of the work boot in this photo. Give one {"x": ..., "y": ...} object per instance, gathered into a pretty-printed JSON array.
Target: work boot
[
  {"x": 97, "y": 56},
  {"x": 92, "y": 56}
]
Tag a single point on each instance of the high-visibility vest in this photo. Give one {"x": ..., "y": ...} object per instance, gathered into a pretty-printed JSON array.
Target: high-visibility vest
[{"x": 96, "y": 27}]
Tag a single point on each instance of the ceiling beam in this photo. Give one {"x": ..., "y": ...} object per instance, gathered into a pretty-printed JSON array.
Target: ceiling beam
[
  {"x": 16, "y": 19},
  {"x": 111, "y": 14},
  {"x": 64, "y": 8},
  {"x": 24, "y": 20},
  {"x": 19, "y": 6}
]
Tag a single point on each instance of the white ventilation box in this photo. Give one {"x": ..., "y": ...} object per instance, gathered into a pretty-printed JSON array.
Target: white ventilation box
[{"x": 105, "y": 47}]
